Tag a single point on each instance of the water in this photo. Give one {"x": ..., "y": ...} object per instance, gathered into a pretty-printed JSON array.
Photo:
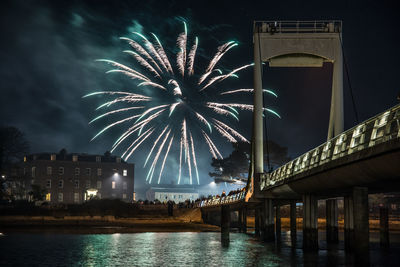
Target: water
[{"x": 166, "y": 249}]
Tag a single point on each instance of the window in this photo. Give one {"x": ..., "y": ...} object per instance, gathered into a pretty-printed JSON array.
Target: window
[
  {"x": 113, "y": 195},
  {"x": 48, "y": 197},
  {"x": 76, "y": 197},
  {"x": 61, "y": 170},
  {"x": 87, "y": 183},
  {"x": 76, "y": 183},
  {"x": 123, "y": 196},
  {"x": 125, "y": 185},
  {"x": 33, "y": 181},
  {"x": 48, "y": 183},
  {"x": 24, "y": 171},
  {"x": 98, "y": 159},
  {"x": 53, "y": 157},
  {"x": 118, "y": 160},
  {"x": 24, "y": 159},
  {"x": 60, "y": 183},
  {"x": 60, "y": 197},
  {"x": 98, "y": 184},
  {"x": 98, "y": 195},
  {"x": 49, "y": 170},
  {"x": 125, "y": 172},
  {"x": 88, "y": 171},
  {"x": 33, "y": 172},
  {"x": 75, "y": 158},
  {"x": 77, "y": 171},
  {"x": 98, "y": 172},
  {"x": 113, "y": 184}
]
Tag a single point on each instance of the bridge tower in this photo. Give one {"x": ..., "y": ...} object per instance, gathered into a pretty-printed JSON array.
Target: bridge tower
[{"x": 302, "y": 44}]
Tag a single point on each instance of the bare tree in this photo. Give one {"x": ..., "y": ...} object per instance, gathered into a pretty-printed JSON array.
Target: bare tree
[{"x": 13, "y": 146}]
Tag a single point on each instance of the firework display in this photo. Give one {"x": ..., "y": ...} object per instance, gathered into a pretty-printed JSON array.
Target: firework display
[{"x": 185, "y": 108}]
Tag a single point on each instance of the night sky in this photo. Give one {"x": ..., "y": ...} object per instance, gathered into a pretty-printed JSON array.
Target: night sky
[{"x": 48, "y": 53}]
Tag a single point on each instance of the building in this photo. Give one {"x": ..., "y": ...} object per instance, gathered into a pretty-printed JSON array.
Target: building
[
  {"x": 75, "y": 178},
  {"x": 175, "y": 193}
]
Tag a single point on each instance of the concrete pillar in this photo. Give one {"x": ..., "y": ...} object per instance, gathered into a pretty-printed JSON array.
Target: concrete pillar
[
  {"x": 258, "y": 107},
  {"x": 361, "y": 225},
  {"x": 384, "y": 226},
  {"x": 278, "y": 222},
  {"x": 257, "y": 222},
  {"x": 332, "y": 234},
  {"x": 348, "y": 223},
  {"x": 244, "y": 220},
  {"x": 293, "y": 217},
  {"x": 310, "y": 220},
  {"x": 267, "y": 225},
  {"x": 240, "y": 220},
  {"x": 225, "y": 224},
  {"x": 336, "y": 121}
]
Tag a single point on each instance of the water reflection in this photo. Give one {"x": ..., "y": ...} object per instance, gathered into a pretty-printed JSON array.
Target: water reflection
[{"x": 166, "y": 249}]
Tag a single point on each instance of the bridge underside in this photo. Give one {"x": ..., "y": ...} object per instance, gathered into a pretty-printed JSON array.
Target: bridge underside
[{"x": 377, "y": 168}]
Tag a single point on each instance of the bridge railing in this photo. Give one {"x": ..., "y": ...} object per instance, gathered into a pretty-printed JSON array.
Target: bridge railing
[
  {"x": 222, "y": 200},
  {"x": 320, "y": 26},
  {"x": 378, "y": 129}
]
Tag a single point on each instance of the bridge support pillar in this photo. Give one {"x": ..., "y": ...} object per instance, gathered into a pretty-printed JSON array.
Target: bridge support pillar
[
  {"x": 267, "y": 216},
  {"x": 240, "y": 220},
  {"x": 244, "y": 220},
  {"x": 384, "y": 226},
  {"x": 348, "y": 223},
  {"x": 310, "y": 219},
  {"x": 332, "y": 234},
  {"x": 225, "y": 224},
  {"x": 293, "y": 217},
  {"x": 278, "y": 222},
  {"x": 361, "y": 225},
  {"x": 257, "y": 220}
]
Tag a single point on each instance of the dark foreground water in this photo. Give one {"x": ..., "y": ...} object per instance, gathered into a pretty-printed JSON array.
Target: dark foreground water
[{"x": 170, "y": 249}]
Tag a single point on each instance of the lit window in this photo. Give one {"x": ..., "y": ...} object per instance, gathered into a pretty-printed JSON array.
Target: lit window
[
  {"x": 113, "y": 184},
  {"x": 98, "y": 159},
  {"x": 76, "y": 183},
  {"x": 61, "y": 170},
  {"x": 49, "y": 170},
  {"x": 76, "y": 197},
  {"x": 60, "y": 183},
  {"x": 53, "y": 157},
  {"x": 33, "y": 171},
  {"x": 48, "y": 197},
  {"x": 98, "y": 184},
  {"x": 24, "y": 159},
  {"x": 88, "y": 171},
  {"x": 75, "y": 158},
  {"x": 87, "y": 183},
  {"x": 123, "y": 196},
  {"x": 77, "y": 171},
  {"x": 98, "y": 172},
  {"x": 125, "y": 173},
  {"x": 125, "y": 185},
  {"x": 60, "y": 197}
]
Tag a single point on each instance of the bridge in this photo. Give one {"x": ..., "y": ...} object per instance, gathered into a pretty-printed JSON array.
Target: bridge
[{"x": 350, "y": 164}]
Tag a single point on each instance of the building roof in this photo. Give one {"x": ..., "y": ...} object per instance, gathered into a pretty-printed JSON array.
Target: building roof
[{"x": 83, "y": 157}]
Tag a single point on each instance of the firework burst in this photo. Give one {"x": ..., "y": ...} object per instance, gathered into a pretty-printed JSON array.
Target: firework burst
[{"x": 173, "y": 105}]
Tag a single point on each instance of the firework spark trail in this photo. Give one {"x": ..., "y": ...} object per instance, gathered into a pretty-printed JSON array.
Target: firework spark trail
[
  {"x": 175, "y": 90},
  {"x": 213, "y": 148},
  {"x": 154, "y": 145},
  {"x": 163, "y": 55},
  {"x": 141, "y": 51},
  {"x": 153, "y": 165},
  {"x": 192, "y": 54},
  {"x": 165, "y": 158},
  {"x": 143, "y": 62},
  {"x": 152, "y": 50},
  {"x": 194, "y": 158},
  {"x": 139, "y": 140},
  {"x": 230, "y": 129},
  {"x": 248, "y": 91},
  {"x": 112, "y": 112},
  {"x": 180, "y": 163}
]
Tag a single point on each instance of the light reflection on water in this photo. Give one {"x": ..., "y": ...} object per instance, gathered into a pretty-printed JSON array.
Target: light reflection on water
[{"x": 153, "y": 249}]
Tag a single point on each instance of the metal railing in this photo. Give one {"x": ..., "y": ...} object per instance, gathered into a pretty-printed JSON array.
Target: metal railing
[
  {"x": 316, "y": 26},
  {"x": 215, "y": 201},
  {"x": 378, "y": 129}
]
